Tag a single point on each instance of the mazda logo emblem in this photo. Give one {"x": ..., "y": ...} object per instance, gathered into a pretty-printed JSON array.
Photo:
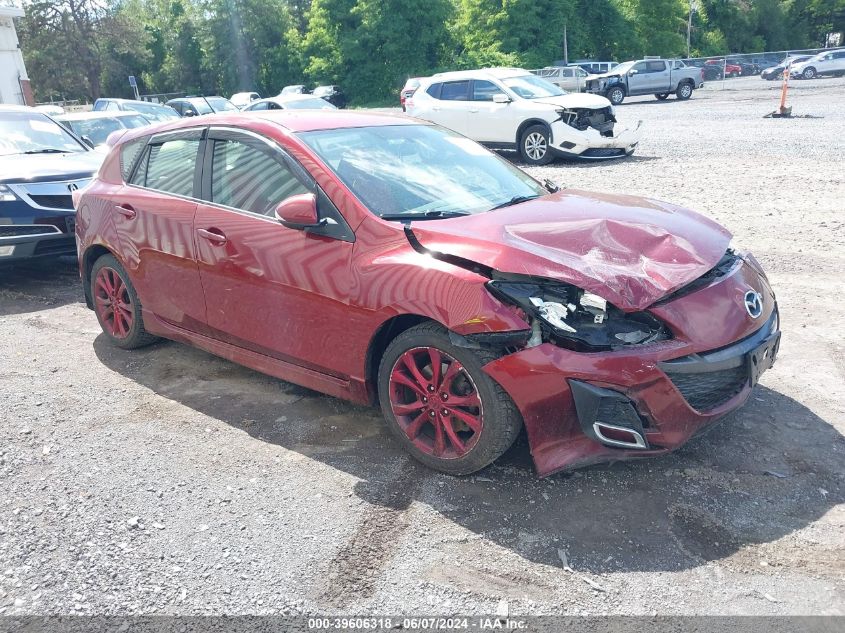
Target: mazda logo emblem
[
  {"x": 72, "y": 187},
  {"x": 753, "y": 304}
]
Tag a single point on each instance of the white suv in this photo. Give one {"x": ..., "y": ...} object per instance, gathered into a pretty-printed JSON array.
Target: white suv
[
  {"x": 509, "y": 108},
  {"x": 825, "y": 63}
]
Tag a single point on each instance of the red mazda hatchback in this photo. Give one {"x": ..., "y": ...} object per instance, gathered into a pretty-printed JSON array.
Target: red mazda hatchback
[{"x": 384, "y": 260}]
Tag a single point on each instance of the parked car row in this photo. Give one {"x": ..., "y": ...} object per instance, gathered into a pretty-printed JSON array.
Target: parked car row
[
  {"x": 824, "y": 63},
  {"x": 330, "y": 93}
]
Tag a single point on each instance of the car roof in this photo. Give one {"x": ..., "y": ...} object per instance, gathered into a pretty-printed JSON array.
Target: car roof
[
  {"x": 482, "y": 73},
  {"x": 197, "y": 98},
  {"x": 291, "y": 120},
  {"x": 18, "y": 108},
  {"x": 288, "y": 98},
  {"x": 99, "y": 114}
]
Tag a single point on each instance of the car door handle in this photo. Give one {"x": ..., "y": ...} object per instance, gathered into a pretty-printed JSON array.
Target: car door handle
[
  {"x": 436, "y": 109},
  {"x": 215, "y": 236},
  {"x": 126, "y": 210},
  {"x": 473, "y": 111}
]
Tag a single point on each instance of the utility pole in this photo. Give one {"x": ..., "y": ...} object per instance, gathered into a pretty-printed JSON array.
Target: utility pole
[
  {"x": 689, "y": 28},
  {"x": 565, "y": 47}
]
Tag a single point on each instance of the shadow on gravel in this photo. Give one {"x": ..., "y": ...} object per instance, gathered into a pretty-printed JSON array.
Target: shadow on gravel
[
  {"x": 39, "y": 286},
  {"x": 764, "y": 472},
  {"x": 580, "y": 163}
]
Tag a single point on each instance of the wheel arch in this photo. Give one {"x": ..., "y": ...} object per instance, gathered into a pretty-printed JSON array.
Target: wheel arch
[
  {"x": 384, "y": 334},
  {"x": 528, "y": 123},
  {"x": 86, "y": 265}
]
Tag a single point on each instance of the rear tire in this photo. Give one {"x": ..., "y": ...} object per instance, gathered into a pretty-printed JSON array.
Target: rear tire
[
  {"x": 534, "y": 145},
  {"x": 809, "y": 73},
  {"x": 615, "y": 95},
  {"x": 684, "y": 91},
  {"x": 461, "y": 433},
  {"x": 117, "y": 306}
]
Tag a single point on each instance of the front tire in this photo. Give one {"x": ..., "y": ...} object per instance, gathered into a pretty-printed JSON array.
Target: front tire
[
  {"x": 809, "y": 73},
  {"x": 117, "y": 306},
  {"x": 534, "y": 145},
  {"x": 615, "y": 95},
  {"x": 684, "y": 91},
  {"x": 441, "y": 406}
]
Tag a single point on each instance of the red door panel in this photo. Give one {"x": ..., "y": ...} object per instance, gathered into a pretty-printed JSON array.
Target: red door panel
[
  {"x": 156, "y": 234},
  {"x": 274, "y": 290}
]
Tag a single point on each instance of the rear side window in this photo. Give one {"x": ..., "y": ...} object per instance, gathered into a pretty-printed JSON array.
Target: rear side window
[
  {"x": 245, "y": 177},
  {"x": 455, "y": 91},
  {"x": 128, "y": 154},
  {"x": 170, "y": 167},
  {"x": 434, "y": 90}
]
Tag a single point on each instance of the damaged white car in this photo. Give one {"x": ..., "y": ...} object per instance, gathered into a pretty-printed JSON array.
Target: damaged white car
[{"x": 509, "y": 108}]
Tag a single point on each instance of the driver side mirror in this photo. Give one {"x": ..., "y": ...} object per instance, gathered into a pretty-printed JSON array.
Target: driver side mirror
[
  {"x": 631, "y": 73},
  {"x": 299, "y": 212},
  {"x": 500, "y": 97}
]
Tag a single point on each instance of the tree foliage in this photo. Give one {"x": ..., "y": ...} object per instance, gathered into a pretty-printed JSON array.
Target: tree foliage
[{"x": 86, "y": 48}]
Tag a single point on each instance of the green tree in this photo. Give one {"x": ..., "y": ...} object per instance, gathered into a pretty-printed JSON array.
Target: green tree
[{"x": 660, "y": 25}]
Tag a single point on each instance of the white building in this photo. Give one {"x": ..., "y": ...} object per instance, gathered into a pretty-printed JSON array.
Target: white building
[{"x": 14, "y": 83}]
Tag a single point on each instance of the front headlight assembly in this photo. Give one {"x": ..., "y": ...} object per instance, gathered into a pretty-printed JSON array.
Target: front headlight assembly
[{"x": 575, "y": 319}]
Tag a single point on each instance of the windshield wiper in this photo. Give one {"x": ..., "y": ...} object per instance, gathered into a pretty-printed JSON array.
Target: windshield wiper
[
  {"x": 423, "y": 215},
  {"x": 513, "y": 201},
  {"x": 48, "y": 150}
]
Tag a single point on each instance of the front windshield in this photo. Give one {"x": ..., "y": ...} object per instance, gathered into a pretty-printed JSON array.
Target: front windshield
[
  {"x": 34, "y": 133},
  {"x": 532, "y": 87},
  {"x": 97, "y": 130},
  {"x": 154, "y": 112},
  {"x": 623, "y": 67},
  {"x": 416, "y": 171},
  {"x": 222, "y": 105},
  {"x": 308, "y": 104}
]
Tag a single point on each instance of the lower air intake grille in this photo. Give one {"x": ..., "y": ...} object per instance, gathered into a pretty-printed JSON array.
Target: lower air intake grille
[
  {"x": 603, "y": 152},
  {"x": 707, "y": 390}
]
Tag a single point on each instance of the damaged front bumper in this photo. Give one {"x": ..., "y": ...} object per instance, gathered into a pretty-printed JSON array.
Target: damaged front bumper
[
  {"x": 566, "y": 141},
  {"x": 581, "y": 408}
]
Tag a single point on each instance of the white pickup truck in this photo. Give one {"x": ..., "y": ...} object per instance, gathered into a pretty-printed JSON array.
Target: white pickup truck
[{"x": 660, "y": 77}]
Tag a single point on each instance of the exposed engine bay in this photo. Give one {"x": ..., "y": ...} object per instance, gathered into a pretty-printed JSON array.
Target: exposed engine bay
[{"x": 585, "y": 118}]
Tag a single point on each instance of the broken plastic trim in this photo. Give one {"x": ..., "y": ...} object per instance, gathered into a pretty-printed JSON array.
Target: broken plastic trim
[
  {"x": 496, "y": 340},
  {"x": 587, "y": 325}
]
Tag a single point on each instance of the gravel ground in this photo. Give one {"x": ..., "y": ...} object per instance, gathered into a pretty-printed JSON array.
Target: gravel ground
[{"x": 168, "y": 481}]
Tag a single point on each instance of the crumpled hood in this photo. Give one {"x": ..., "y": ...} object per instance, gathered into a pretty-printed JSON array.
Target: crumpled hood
[
  {"x": 575, "y": 100},
  {"x": 631, "y": 251},
  {"x": 608, "y": 74},
  {"x": 48, "y": 167}
]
